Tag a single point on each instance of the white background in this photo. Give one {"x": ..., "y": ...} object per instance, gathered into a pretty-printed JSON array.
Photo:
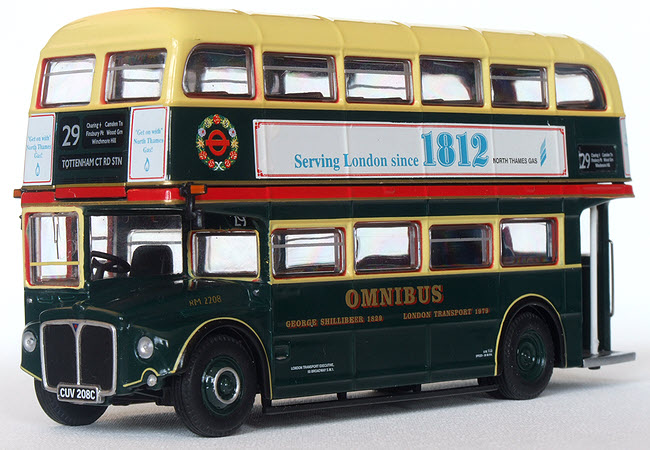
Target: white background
[{"x": 579, "y": 409}]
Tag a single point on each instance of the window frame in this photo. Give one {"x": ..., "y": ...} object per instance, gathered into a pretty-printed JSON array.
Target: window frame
[
  {"x": 415, "y": 247},
  {"x": 408, "y": 75},
  {"x": 544, "y": 104},
  {"x": 109, "y": 70},
  {"x": 194, "y": 254},
  {"x": 478, "y": 80},
  {"x": 595, "y": 84},
  {"x": 331, "y": 77},
  {"x": 28, "y": 243},
  {"x": 490, "y": 245},
  {"x": 554, "y": 241},
  {"x": 250, "y": 72},
  {"x": 45, "y": 76},
  {"x": 340, "y": 253}
]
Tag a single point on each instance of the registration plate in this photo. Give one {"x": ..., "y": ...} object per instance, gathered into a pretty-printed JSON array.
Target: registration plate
[{"x": 78, "y": 394}]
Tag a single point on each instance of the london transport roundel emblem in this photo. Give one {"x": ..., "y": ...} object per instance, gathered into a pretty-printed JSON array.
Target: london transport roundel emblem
[{"x": 216, "y": 143}]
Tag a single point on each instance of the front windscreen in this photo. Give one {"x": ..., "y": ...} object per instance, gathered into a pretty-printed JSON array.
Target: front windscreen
[{"x": 135, "y": 245}]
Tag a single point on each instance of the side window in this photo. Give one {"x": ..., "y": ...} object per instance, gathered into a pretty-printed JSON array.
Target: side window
[
  {"x": 226, "y": 253},
  {"x": 519, "y": 87},
  {"x": 53, "y": 249},
  {"x": 219, "y": 71},
  {"x": 460, "y": 246},
  {"x": 67, "y": 81},
  {"x": 386, "y": 247},
  {"x": 135, "y": 75},
  {"x": 378, "y": 80},
  {"x": 577, "y": 87},
  {"x": 299, "y": 77},
  {"x": 308, "y": 252},
  {"x": 528, "y": 242},
  {"x": 451, "y": 81}
]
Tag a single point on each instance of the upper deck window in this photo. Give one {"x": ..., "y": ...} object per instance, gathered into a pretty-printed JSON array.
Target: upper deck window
[
  {"x": 378, "y": 80},
  {"x": 135, "y": 75},
  {"x": 68, "y": 81},
  {"x": 577, "y": 87},
  {"x": 519, "y": 87},
  {"x": 299, "y": 77},
  {"x": 219, "y": 71},
  {"x": 451, "y": 81}
]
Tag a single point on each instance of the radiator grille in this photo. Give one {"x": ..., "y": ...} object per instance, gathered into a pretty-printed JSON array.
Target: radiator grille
[{"x": 79, "y": 353}]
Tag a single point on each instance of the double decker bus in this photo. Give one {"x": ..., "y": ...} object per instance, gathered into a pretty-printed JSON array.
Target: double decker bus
[{"x": 294, "y": 207}]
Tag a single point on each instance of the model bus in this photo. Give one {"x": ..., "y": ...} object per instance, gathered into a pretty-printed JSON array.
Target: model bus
[{"x": 297, "y": 207}]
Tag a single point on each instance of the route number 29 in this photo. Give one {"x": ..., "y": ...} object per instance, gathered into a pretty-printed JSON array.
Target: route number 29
[
  {"x": 70, "y": 132},
  {"x": 446, "y": 154}
]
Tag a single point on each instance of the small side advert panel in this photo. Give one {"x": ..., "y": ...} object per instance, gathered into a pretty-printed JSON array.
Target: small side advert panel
[
  {"x": 39, "y": 150},
  {"x": 149, "y": 144}
]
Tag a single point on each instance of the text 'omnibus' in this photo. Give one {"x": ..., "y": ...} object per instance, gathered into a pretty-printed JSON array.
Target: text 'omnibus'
[{"x": 295, "y": 207}]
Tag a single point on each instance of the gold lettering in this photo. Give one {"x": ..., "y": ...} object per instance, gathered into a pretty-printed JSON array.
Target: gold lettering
[
  {"x": 409, "y": 296},
  {"x": 386, "y": 296},
  {"x": 398, "y": 296},
  {"x": 417, "y": 315},
  {"x": 424, "y": 294},
  {"x": 369, "y": 298},
  {"x": 394, "y": 296},
  {"x": 350, "y": 320},
  {"x": 437, "y": 293},
  {"x": 301, "y": 323},
  {"x": 352, "y": 299}
]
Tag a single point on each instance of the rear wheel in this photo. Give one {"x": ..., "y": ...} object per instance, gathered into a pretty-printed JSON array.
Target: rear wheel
[
  {"x": 215, "y": 396},
  {"x": 66, "y": 413},
  {"x": 526, "y": 358}
]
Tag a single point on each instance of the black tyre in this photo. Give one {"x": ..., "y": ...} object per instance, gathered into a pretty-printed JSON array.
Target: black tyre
[
  {"x": 214, "y": 397},
  {"x": 526, "y": 358},
  {"x": 66, "y": 413}
]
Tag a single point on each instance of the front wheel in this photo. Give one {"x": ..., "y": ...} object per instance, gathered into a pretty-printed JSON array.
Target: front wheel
[
  {"x": 66, "y": 413},
  {"x": 214, "y": 397},
  {"x": 527, "y": 358}
]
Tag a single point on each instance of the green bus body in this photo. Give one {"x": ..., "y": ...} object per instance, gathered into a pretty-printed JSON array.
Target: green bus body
[{"x": 303, "y": 335}]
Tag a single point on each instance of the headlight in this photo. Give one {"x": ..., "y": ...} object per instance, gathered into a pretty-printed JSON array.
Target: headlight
[
  {"x": 29, "y": 341},
  {"x": 145, "y": 347}
]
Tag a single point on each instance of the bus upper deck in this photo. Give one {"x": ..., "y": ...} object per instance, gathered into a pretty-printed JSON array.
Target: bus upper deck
[{"x": 230, "y": 98}]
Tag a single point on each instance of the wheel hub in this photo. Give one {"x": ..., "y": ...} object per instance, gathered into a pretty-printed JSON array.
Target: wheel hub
[
  {"x": 531, "y": 355},
  {"x": 221, "y": 385},
  {"x": 227, "y": 385}
]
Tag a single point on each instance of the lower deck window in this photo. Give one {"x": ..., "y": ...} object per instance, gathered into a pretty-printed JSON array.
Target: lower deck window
[
  {"x": 308, "y": 252},
  {"x": 460, "y": 246},
  {"x": 528, "y": 242},
  {"x": 225, "y": 253},
  {"x": 53, "y": 249},
  {"x": 387, "y": 247}
]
